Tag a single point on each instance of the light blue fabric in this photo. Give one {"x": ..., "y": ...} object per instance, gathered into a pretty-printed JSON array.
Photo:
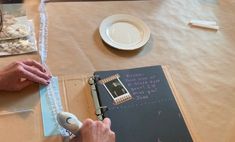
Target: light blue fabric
[{"x": 49, "y": 123}]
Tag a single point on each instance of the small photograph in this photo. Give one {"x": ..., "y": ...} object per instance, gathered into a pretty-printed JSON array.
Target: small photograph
[{"x": 115, "y": 88}]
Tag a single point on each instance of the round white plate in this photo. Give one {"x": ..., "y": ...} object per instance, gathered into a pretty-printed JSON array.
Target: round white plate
[{"x": 124, "y": 32}]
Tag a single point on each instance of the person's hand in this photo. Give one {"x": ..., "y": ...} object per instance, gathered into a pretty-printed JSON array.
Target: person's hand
[
  {"x": 95, "y": 131},
  {"x": 21, "y": 74}
]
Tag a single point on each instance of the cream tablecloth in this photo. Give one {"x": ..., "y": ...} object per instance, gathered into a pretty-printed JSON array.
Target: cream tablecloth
[{"x": 201, "y": 61}]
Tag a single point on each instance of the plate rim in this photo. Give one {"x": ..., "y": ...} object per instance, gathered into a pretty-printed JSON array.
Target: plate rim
[{"x": 118, "y": 17}]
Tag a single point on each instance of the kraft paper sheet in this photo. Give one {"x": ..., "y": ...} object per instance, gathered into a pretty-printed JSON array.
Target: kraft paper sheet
[{"x": 201, "y": 61}]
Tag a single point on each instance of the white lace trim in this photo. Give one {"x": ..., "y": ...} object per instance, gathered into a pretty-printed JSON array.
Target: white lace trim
[{"x": 43, "y": 35}]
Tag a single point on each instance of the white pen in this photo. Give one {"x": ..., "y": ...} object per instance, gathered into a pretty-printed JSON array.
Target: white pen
[
  {"x": 206, "y": 26},
  {"x": 204, "y": 22}
]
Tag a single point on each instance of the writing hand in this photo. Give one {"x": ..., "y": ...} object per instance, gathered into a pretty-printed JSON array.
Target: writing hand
[{"x": 95, "y": 131}]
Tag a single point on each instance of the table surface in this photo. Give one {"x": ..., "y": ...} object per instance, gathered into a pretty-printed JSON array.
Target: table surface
[{"x": 201, "y": 61}]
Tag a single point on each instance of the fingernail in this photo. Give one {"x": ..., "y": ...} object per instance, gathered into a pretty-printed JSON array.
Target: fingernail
[
  {"x": 48, "y": 77},
  {"x": 48, "y": 82}
]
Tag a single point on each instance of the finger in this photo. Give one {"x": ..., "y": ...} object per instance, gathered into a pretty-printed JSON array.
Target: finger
[
  {"x": 99, "y": 124},
  {"x": 23, "y": 84},
  {"x": 32, "y": 77},
  {"x": 113, "y": 136},
  {"x": 88, "y": 122},
  {"x": 48, "y": 71},
  {"x": 34, "y": 63},
  {"x": 107, "y": 122},
  {"x": 36, "y": 71}
]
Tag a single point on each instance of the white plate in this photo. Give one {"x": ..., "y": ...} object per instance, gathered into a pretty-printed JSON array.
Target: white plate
[{"x": 124, "y": 32}]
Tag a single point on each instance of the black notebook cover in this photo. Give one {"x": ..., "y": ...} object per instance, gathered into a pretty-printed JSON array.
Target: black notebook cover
[{"x": 152, "y": 115}]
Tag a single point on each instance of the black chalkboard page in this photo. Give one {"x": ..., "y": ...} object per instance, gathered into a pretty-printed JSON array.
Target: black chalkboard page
[{"x": 152, "y": 115}]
